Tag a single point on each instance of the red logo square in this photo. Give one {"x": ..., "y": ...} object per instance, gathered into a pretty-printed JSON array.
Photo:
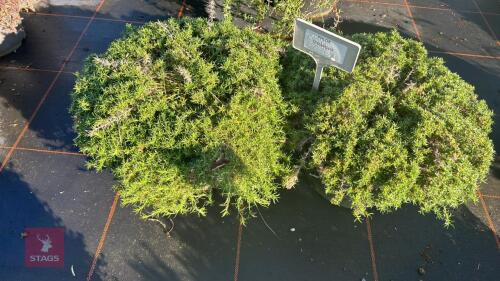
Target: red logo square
[{"x": 44, "y": 247}]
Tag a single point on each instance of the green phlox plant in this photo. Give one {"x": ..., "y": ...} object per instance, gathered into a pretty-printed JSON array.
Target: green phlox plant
[
  {"x": 182, "y": 109},
  {"x": 402, "y": 128}
]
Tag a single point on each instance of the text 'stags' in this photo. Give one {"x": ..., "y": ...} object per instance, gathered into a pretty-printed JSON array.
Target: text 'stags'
[{"x": 44, "y": 247}]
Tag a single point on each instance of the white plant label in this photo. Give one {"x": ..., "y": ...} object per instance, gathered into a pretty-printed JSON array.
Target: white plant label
[{"x": 325, "y": 47}]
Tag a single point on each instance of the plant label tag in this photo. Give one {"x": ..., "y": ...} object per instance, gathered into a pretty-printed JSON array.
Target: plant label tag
[{"x": 325, "y": 47}]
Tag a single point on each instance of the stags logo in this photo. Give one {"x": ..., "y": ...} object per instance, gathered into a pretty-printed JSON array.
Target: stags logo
[
  {"x": 46, "y": 243},
  {"x": 44, "y": 247}
]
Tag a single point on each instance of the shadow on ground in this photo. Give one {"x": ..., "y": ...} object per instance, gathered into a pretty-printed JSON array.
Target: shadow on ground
[
  {"x": 20, "y": 208},
  {"x": 193, "y": 248},
  {"x": 407, "y": 242},
  {"x": 197, "y": 250}
]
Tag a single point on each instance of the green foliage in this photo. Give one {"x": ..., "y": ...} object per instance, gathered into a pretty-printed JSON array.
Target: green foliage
[
  {"x": 282, "y": 13},
  {"x": 401, "y": 128},
  {"x": 182, "y": 109}
]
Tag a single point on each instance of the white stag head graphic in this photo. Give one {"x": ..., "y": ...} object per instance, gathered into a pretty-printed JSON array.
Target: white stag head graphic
[{"x": 46, "y": 243}]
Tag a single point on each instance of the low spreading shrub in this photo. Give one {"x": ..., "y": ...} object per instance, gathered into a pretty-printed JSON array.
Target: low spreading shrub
[
  {"x": 182, "y": 109},
  {"x": 402, "y": 128}
]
